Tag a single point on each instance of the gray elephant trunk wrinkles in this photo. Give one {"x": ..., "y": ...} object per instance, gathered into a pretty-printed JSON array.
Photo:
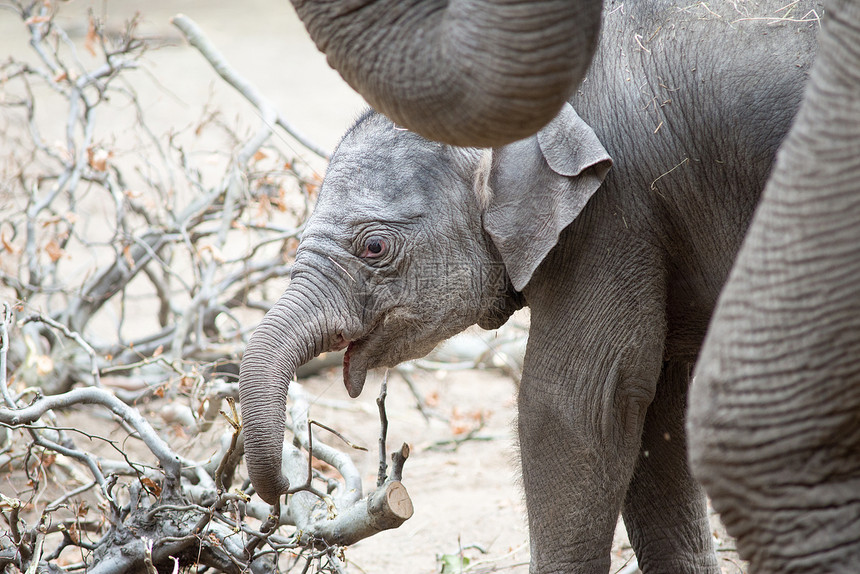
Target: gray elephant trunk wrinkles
[
  {"x": 293, "y": 332},
  {"x": 459, "y": 71}
]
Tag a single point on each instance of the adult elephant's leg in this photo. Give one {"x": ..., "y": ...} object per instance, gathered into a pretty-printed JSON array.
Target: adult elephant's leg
[
  {"x": 665, "y": 511},
  {"x": 593, "y": 360},
  {"x": 775, "y": 405}
]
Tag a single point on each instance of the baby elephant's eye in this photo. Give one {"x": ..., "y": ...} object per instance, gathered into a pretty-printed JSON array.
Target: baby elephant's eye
[{"x": 374, "y": 247}]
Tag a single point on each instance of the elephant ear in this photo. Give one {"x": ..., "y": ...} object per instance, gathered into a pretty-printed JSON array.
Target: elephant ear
[{"x": 539, "y": 185}]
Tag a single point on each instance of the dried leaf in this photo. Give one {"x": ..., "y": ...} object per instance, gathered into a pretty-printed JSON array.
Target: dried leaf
[
  {"x": 264, "y": 209},
  {"x": 90, "y": 40},
  {"x": 54, "y": 251},
  {"x": 151, "y": 486},
  {"x": 98, "y": 158},
  {"x": 36, "y": 19},
  {"x": 312, "y": 186},
  {"x": 283, "y": 199},
  {"x": 158, "y": 351},
  {"x": 126, "y": 253},
  {"x": 72, "y": 531},
  {"x": 432, "y": 399},
  {"x": 259, "y": 155},
  {"x": 7, "y": 245}
]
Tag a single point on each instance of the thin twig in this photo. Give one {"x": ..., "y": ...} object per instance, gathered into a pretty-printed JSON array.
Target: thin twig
[
  {"x": 632, "y": 567},
  {"x": 233, "y": 419},
  {"x": 383, "y": 431},
  {"x": 4, "y": 347},
  {"x": 398, "y": 459},
  {"x": 662, "y": 175},
  {"x": 169, "y": 460}
]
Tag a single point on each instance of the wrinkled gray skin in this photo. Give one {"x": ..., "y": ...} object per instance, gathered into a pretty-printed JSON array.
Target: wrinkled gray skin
[
  {"x": 403, "y": 252},
  {"x": 467, "y": 72},
  {"x": 775, "y": 407}
]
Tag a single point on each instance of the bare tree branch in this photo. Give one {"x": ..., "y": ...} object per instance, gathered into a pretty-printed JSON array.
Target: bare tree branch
[{"x": 197, "y": 39}]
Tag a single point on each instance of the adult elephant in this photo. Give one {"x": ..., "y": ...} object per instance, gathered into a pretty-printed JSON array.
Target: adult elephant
[
  {"x": 467, "y": 72},
  {"x": 775, "y": 406},
  {"x": 691, "y": 102}
]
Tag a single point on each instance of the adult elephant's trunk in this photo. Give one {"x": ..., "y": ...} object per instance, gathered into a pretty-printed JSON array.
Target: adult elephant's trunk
[
  {"x": 466, "y": 72},
  {"x": 289, "y": 335}
]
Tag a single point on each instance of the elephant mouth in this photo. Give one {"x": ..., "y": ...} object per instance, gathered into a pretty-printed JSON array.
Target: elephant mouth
[
  {"x": 377, "y": 347},
  {"x": 366, "y": 353},
  {"x": 354, "y": 368},
  {"x": 340, "y": 343}
]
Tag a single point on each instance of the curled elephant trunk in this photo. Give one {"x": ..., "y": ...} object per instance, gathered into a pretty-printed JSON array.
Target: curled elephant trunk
[
  {"x": 465, "y": 72},
  {"x": 288, "y": 336}
]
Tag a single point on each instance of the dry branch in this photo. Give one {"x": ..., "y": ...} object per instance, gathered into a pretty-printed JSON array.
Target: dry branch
[{"x": 134, "y": 320}]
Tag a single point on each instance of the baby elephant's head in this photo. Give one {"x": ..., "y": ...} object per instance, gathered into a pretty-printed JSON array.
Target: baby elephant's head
[
  {"x": 411, "y": 241},
  {"x": 397, "y": 238}
]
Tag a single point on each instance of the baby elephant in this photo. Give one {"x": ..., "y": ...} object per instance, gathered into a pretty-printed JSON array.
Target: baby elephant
[{"x": 620, "y": 261}]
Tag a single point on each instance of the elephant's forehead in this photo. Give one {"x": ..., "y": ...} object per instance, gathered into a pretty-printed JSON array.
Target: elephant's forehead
[
  {"x": 384, "y": 177},
  {"x": 372, "y": 201}
]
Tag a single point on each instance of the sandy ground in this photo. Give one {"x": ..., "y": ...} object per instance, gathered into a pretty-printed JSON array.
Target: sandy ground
[
  {"x": 468, "y": 495},
  {"x": 463, "y": 495}
]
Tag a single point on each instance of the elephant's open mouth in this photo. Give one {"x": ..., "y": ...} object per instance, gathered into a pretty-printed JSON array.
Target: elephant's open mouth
[
  {"x": 380, "y": 346},
  {"x": 364, "y": 354}
]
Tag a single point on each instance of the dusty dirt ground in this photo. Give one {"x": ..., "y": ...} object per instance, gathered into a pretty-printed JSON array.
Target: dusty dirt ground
[{"x": 463, "y": 495}]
